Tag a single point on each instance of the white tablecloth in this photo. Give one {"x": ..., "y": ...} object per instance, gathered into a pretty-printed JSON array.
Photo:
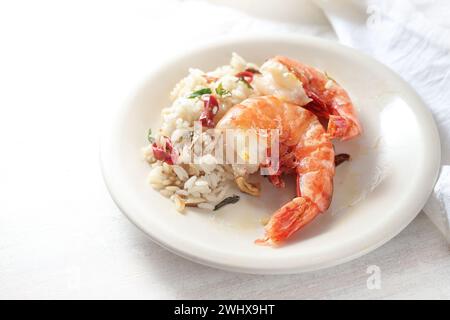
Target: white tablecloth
[{"x": 64, "y": 67}]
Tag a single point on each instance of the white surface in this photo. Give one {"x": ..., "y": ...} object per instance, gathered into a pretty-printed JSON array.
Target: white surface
[
  {"x": 358, "y": 221},
  {"x": 413, "y": 38},
  {"x": 63, "y": 68}
]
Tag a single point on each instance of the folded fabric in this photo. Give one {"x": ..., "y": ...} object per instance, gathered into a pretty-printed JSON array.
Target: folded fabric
[{"x": 412, "y": 38}]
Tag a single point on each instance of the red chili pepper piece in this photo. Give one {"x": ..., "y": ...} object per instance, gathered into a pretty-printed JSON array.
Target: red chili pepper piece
[
  {"x": 246, "y": 75},
  {"x": 167, "y": 154},
  {"x": 211, "y": 106},
  {"x": 273, "y": 176}
]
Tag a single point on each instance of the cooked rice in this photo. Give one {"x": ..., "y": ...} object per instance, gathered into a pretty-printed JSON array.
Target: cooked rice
[{"x": 205, "y": 183}]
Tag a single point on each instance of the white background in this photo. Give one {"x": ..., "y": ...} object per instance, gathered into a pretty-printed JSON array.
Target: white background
[{"x": 64, "y": 68}]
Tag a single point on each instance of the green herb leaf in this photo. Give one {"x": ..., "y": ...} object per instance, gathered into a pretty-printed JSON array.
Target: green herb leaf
[
  {"x": 221, "y": 91},
  {"x": 228, "y": 200},
  {"x": 149, "y": 136},
  {"x": 246, "y": 82},
  {"x": 199, "y": 93}
]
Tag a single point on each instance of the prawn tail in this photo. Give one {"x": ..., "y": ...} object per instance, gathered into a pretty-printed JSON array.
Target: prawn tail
[{"x": 288, "y": 219}]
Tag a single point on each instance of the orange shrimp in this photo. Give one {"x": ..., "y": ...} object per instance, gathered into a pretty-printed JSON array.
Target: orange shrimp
[
  {"x": 329, "y": 99},
  {"x": 301, "y": 133}
]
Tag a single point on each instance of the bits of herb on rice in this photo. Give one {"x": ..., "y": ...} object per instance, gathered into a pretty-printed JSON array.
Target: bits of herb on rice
[
  {"x": 222, "y": 92},
  {"x": 199, "y": 93}
]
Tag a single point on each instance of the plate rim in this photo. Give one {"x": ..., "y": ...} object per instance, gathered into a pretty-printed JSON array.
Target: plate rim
[{"x": 106, "y": 148}]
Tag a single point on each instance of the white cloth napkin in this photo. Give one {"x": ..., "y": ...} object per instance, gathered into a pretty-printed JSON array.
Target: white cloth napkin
[{"x": 413, "y": 38}]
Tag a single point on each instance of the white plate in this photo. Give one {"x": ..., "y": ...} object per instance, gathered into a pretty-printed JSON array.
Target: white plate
[{"x": 394, "y": 167}]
